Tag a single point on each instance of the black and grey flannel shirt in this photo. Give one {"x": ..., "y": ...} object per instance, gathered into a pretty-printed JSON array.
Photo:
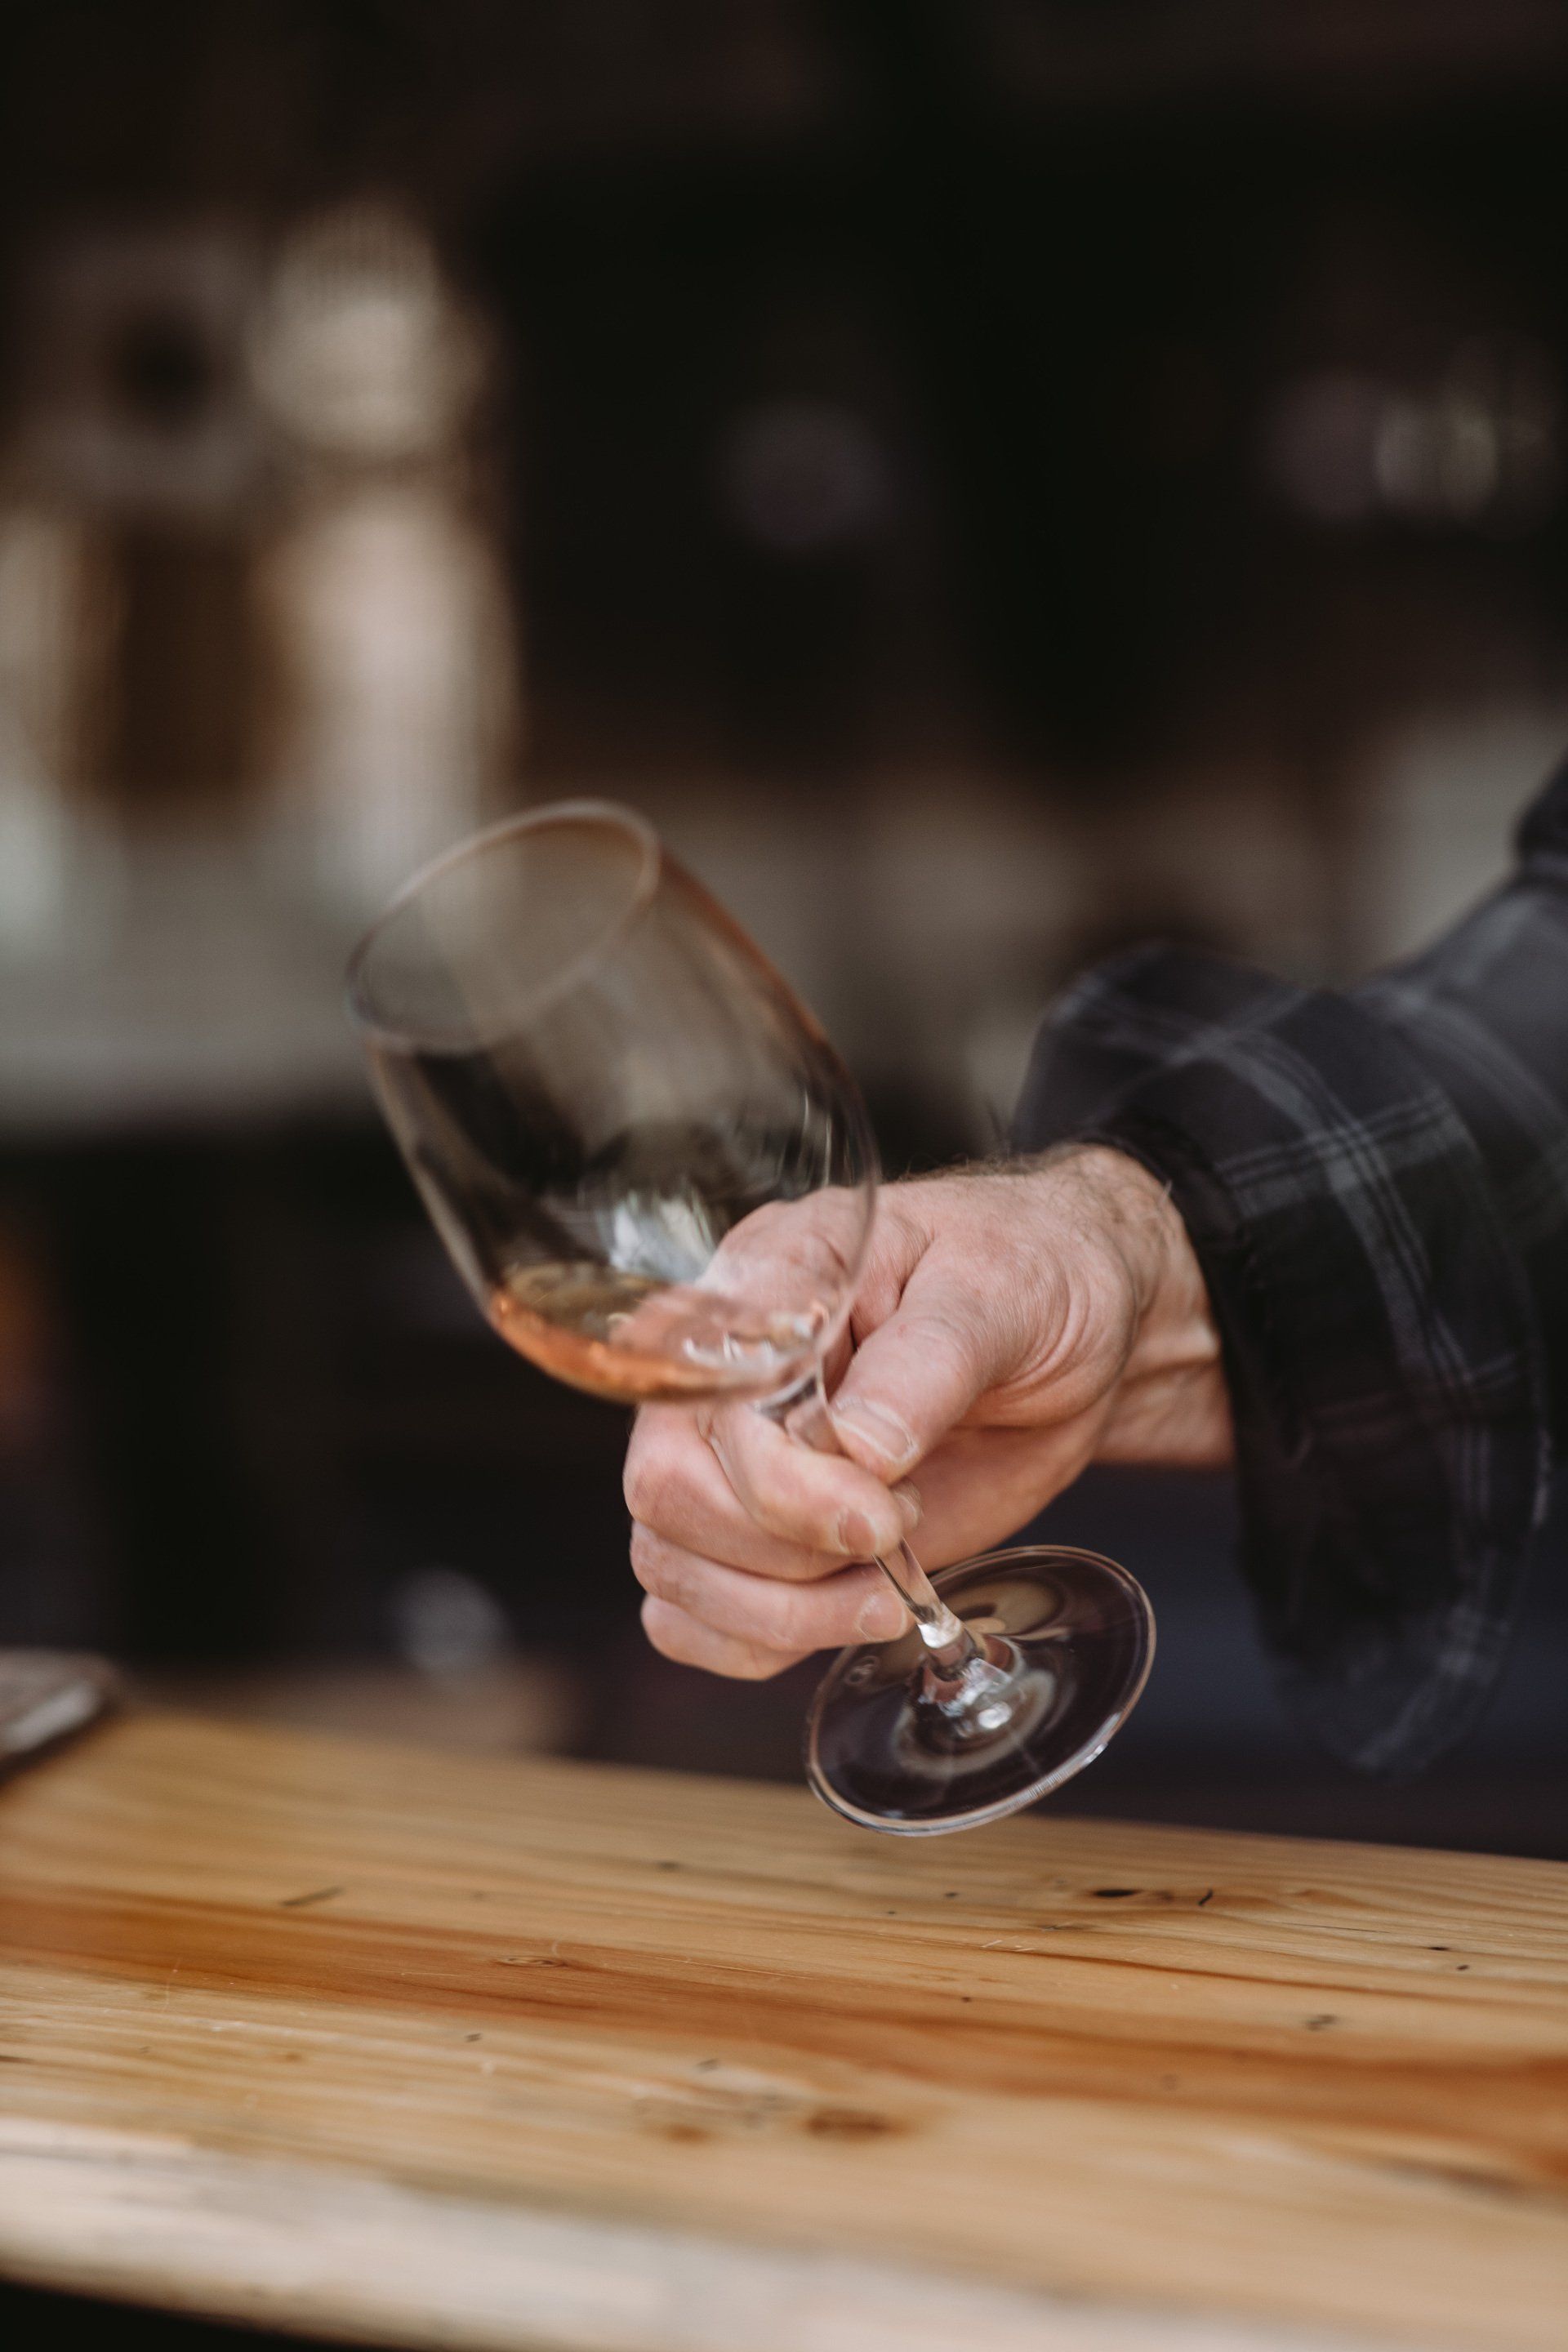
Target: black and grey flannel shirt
[{"x": 1376, "y": 1185}]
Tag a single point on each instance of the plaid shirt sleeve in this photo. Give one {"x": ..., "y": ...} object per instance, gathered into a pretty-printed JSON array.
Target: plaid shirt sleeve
[{"x": 1376, "y": 1185}]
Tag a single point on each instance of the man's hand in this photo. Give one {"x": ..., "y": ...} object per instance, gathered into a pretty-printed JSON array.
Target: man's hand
[{"x": 1011, "y": 1326}]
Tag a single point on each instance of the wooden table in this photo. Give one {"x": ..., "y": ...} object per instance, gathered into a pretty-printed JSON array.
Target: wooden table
[{"x": 438, "y": 2051}]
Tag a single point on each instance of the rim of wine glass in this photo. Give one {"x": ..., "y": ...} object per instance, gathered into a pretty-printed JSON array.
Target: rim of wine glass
[{"x": 596, "y": 811}]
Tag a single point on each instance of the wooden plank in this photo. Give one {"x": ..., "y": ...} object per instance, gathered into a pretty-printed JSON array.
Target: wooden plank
[
  {"x": 289, "y": 2246},
  {"x": 1183, "y": 2080}
]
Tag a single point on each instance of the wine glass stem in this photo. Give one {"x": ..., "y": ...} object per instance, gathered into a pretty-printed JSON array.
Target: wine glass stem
[{"x": 803, "y": 1412}]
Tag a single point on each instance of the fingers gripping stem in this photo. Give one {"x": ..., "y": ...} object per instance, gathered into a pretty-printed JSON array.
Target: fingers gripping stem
[{"x": 803, "y": 1414}]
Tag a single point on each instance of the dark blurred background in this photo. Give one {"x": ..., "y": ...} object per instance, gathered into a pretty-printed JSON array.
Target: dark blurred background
[{"x": 990, "y": 479}]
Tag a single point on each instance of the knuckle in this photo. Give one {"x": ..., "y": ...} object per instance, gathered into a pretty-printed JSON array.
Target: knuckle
[
  {"x": 649, "y": 1485},
  {"x": 762, "y": 1225},
  {"x": 792, "y": 1610},
  {"x": 634, "y": 1477},
  {"x": 769, "y": 1500},
  {"x": 970, "y": 1332},
  {"x": 675, "y": 1577},
  {"x": 798, "y": 1564},
  {"x": 962, "y": 1319},
  {"x": 649, "y": 1557},
  {"x": 783, "y": 1501},
  {"x": 754, "y": 1664},
  {"x": 662, "y": 1626}
]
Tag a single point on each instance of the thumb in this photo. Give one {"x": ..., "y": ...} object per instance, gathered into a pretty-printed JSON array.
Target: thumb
[{"x": 914, "y": 1379}]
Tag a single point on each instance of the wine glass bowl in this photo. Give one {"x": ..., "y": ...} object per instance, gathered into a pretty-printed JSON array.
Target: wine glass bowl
[
  {"x": 657, "y": 1179},
  {"x": 603, "y": 1091}
]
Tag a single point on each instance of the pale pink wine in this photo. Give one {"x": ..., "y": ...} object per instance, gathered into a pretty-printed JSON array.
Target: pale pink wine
[{"x": 635, "y": 1339}]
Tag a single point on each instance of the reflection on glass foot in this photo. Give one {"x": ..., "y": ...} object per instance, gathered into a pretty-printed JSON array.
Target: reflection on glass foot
[{"x": 1066, "y": 1639}]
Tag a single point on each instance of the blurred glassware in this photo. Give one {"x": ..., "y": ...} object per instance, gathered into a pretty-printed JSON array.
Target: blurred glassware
[
  {"x": 134, "y": 400},
  {"x": 446, "y": 1624},
  {"x": 56, "y": 623},
  {"x": 360, "y": 348},
  {"x": 390, "y": 628},
  {"x": 390, "y": 638}
]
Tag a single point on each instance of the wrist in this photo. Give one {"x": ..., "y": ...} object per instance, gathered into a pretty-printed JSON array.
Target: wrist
[{"x": 1171, "y": 1402}]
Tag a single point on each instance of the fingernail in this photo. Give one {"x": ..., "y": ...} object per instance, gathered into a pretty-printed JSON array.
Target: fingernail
[
  {"x": 882, "y": 1617},
  {"x": 908, "y": 1499},
  {"x": 880, "y": 1431}
]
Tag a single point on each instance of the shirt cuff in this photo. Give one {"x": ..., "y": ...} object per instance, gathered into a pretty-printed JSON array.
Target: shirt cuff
[{"x": 1380, "y": 1344}]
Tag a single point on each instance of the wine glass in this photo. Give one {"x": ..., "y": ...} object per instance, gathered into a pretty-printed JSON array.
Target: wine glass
[{"x": 657, "y": 1179}]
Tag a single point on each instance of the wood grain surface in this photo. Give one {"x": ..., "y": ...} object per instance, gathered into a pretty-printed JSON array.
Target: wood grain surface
[{"x": 442, "y": 2050}]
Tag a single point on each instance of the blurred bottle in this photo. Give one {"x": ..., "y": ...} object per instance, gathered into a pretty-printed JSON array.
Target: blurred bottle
[{"x": 389, "y": 636}]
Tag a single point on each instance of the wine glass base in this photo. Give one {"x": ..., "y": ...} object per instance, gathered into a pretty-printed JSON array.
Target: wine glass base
[{"x": 1069, "y": 1636}]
